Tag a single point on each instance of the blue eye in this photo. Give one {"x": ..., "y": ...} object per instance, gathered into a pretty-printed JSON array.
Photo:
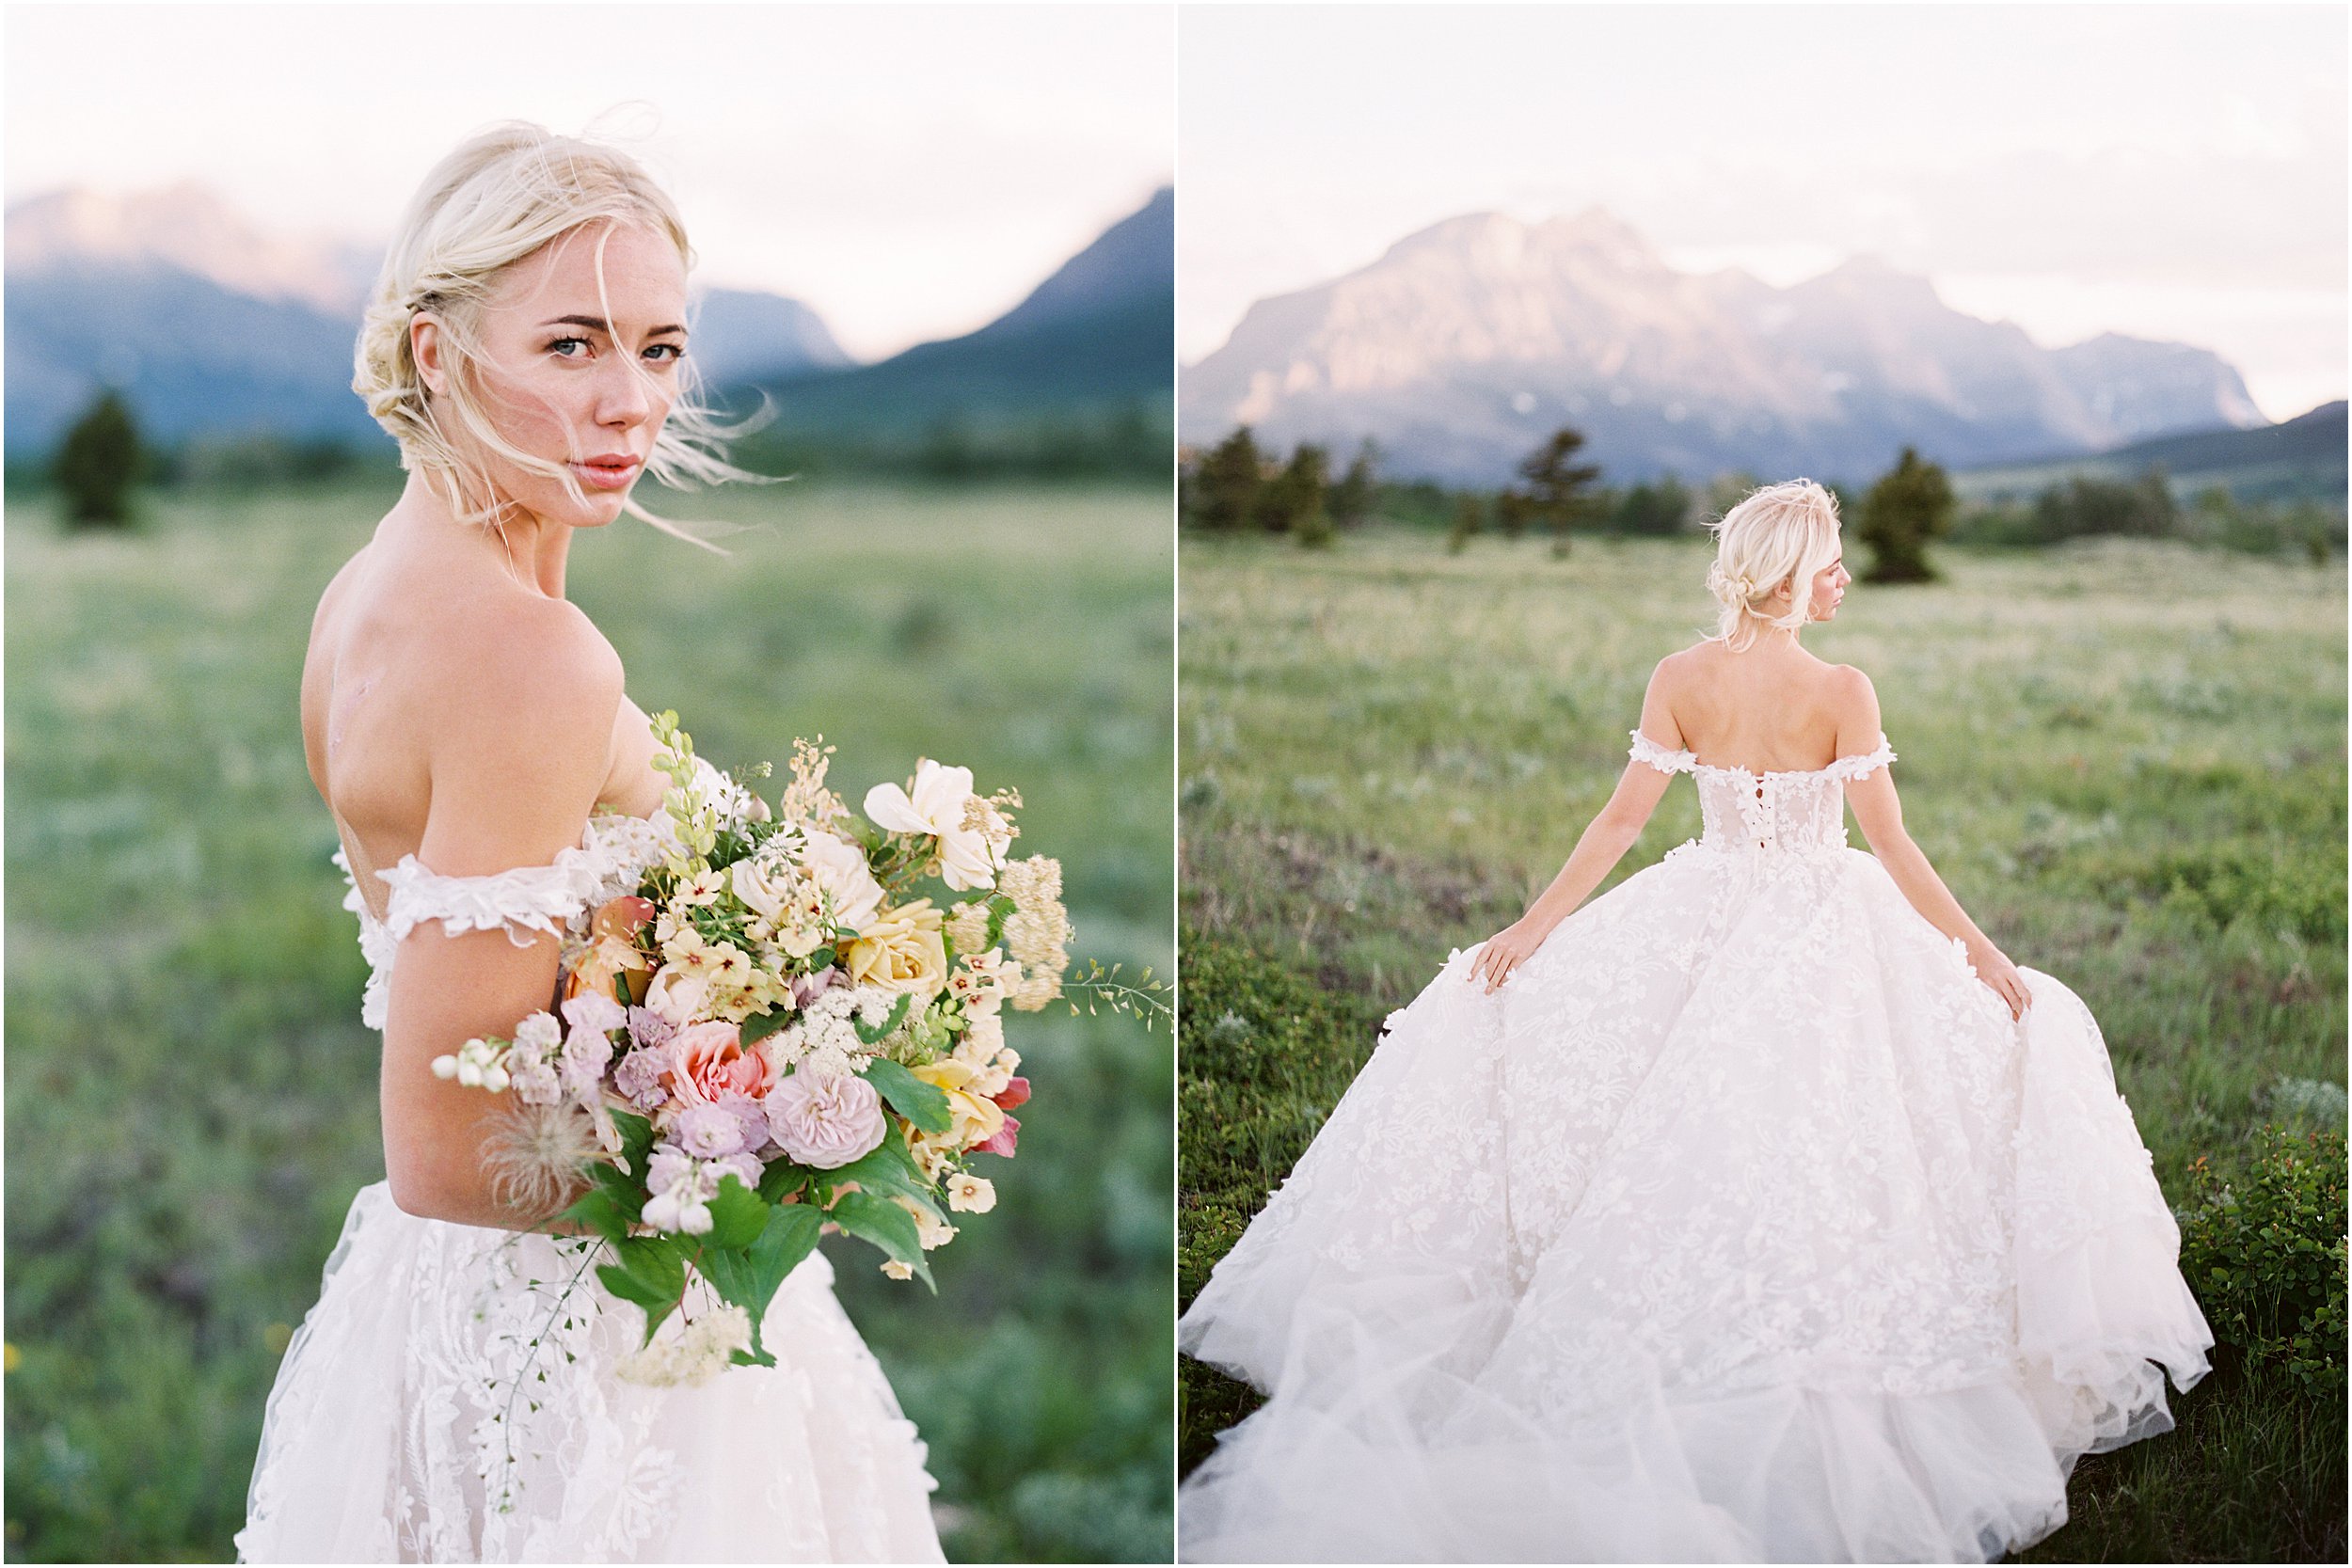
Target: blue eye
[
  {"x": 673, "y": 352},
  {"x": 556, "y": 347}
]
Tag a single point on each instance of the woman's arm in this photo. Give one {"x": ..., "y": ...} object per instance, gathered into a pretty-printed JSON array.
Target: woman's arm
[
  {"x": 517, "y": 766},
  {"x": 1880, "y": 813},
  {"x": 1598, "y": 848}
]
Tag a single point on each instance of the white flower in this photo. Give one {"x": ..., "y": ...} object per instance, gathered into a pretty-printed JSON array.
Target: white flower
[
  {"x": 970, "y": 1195},
  {"x": 703, "y": 887},
  {"x": 675, "y": 996},
  {"x": 539, "y": 1033},
  {"x": 896, "y": 1269},
  {"x": 839, "y": 867},
  {"x": 967, "y": 858},
  {"x": 698, "y": 1355}
]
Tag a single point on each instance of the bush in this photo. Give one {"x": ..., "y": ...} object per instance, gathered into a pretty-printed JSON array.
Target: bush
[{"x": 2265, "y": 1253}]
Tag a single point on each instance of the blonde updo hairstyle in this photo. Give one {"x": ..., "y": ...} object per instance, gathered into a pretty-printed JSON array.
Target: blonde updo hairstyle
[
  {"x": 1784, "y": 533},
  {"x": 503, "y": 196}
]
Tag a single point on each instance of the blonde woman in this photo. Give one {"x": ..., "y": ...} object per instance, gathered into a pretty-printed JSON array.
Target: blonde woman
[
  {"x": 456, "y": 1394},
  {"x": 1760, "y": 1210}
]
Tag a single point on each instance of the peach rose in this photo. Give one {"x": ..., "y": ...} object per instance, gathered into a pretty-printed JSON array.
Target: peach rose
[{"x": 710, "y": 1060}]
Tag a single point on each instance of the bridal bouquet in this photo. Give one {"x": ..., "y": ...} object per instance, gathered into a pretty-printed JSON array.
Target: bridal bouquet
[{"x": 763, "y": 1034}]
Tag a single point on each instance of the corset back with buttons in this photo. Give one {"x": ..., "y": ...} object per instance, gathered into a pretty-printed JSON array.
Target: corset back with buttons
[{"x": 1791, "y": 813}]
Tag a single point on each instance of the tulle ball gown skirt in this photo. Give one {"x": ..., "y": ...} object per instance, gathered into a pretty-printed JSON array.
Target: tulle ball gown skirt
[{"x": 1743, "y": 1224}]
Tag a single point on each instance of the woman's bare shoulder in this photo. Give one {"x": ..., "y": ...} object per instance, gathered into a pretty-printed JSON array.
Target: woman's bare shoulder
[{"x": 521, "y": 656}]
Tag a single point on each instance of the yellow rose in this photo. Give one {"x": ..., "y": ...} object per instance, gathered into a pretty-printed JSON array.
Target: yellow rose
[{"x": 902, "y": 950}]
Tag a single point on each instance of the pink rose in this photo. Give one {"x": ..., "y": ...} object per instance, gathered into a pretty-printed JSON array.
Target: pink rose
[
  {"x": 709, "y": 1061},
  {"x": 826, "y": 1122}
]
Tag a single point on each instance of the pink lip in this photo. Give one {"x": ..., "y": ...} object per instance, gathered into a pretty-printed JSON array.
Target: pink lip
[{"x": 612, "y": 472}]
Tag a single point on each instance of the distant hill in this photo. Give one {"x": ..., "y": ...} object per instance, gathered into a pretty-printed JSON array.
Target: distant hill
[
  {"x": 1470, "y": 341},
  {"x": 2303, "y": 459},
  {"x": 744, "y": 335},
  {"x": 213, "y": 329},
  {"x": 1097, "y": 332}
]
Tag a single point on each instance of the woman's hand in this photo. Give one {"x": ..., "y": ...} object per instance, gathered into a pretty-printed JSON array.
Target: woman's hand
[
  {"x": 1993, "y": 968},
  {"x": 1505, "y": 951}
]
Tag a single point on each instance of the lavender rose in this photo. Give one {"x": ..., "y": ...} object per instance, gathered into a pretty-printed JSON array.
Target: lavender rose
[{"x": 825, "y": 1121}]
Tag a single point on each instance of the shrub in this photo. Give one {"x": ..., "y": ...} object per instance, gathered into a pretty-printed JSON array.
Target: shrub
[{"x": 2265, "y": 1253}]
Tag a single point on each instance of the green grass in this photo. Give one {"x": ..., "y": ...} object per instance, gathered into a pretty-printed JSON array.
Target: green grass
[
  {"x": 191, "y": 1098},
  {"x": 2127, "y": 760}
]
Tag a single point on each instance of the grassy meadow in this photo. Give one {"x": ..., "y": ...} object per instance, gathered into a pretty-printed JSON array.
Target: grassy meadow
[
  {"x": 191, "y": 1098},
  {"x": 2127, "y": 759}
]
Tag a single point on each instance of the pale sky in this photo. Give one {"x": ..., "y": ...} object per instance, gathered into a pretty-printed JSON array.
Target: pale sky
[
  {"x": 2171, "y": 172},
  {"x": 910, "y": 171}
]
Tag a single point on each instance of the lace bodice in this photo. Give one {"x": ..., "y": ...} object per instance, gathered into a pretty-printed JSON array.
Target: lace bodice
[
  {"x": 611, "y": 858},
  {"x": 1801, "y": 811}
]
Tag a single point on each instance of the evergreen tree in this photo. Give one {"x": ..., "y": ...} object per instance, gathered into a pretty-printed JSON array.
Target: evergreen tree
[
  {"x": 1909, "y": 505},
  {"x": 97, "y": 464},
  {"x": 1559, "y": 489},
  {"x": 1295, "y": 501},
  {"x": 1229, "y": 483},
  {"x": 1350, "y": 500}
]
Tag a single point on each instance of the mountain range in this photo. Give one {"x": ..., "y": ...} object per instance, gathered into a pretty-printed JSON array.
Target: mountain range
[
  {"x": 213, "y": 328},
  {"x": 1469, "y": 342},
  {"x": 1097, "y": 333}
]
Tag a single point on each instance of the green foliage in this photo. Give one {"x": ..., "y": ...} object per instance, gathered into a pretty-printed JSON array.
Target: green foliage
[
  {"x": 2082, "y": 507},
  {"x": 1911, "y": 504},
  {"x": 2265, "y": 1252},
  {"x": 924, "y": 1104},
  {"x": 98, "y": 463},
  {"x": 177, "y": 943},
  {"x": 1658, "y": 511},
  {"x": 2125, "y": 758},
  {"x": 1292, "y": 502}
]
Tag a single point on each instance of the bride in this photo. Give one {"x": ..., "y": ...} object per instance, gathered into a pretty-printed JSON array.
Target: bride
[
  {"x": 1760, "y": 1211},
  {"x": 453, "y": 1395}
]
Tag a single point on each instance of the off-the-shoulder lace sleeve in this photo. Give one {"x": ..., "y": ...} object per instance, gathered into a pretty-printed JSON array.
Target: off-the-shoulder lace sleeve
[
  {"x": 1862, "y": 767},
  {"x": 525, "y": 899},
  {"x": 609, "y": 860},
  {"x": 1648, "y": 751}
]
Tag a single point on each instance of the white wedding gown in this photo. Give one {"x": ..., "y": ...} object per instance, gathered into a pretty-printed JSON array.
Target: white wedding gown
[
  {"x": 1742, "y": 1223},
  {"x": 447, "y": 1402}
]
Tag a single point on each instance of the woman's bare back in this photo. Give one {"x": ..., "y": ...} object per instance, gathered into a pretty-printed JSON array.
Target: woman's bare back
[
  {"x": 1764, "y": 709},
  {"x": 401, "y": 643}
]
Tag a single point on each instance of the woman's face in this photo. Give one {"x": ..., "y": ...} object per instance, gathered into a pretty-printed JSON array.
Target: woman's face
[
  {"x": 1829, "y": 590},
  {"x": 561, "y": 382}
]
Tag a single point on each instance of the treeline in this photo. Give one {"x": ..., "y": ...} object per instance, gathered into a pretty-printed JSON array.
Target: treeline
[
  {"x": 104, "y": 460},
  {"x": 1237, "y": 486}
]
